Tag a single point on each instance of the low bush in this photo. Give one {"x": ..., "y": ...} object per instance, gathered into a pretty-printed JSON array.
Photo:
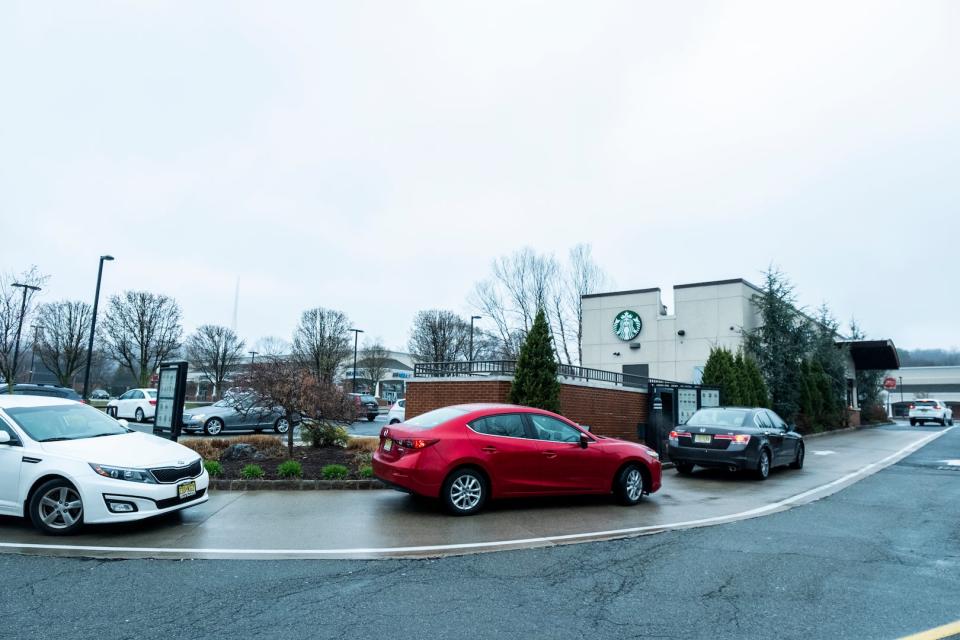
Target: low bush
[
  {"x": 335, "y": 472},
  {"x": 213, "y": 467},
  {"x": 252, "y": 472},
  {"x": 366, "y": 471},
  {"x": 361, "y": 458},
  {"x": 290, "y": 469},
  {"x": 363, "y": 444},
  {"x": 212, "y": 448},
  {"x": 325, "y": 434}
]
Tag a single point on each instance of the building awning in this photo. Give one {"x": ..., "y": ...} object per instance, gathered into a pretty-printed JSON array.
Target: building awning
[{"x": 872, "y": 354}]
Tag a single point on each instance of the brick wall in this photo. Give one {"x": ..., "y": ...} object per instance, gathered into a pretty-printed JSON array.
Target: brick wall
[{"x": 608, "y": 411}]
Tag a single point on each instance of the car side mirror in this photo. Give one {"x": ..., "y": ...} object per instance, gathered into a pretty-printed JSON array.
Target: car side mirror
[
  {"x": 584, "y": 441},
  {"x": 123, "y": 423},
  {"x": 4, "y": 437},
  {"x": 585, "y": 427},
  {"x": 791, "y": 427}
]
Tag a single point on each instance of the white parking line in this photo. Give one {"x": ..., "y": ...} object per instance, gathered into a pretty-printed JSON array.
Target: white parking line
[{"x": 524, "y": 542}]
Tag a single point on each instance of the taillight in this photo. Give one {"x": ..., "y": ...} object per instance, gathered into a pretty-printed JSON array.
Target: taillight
[
  {"x": 740, "y": 438},
  {"x": 912, "y": 407},
  {"x": 416, "y": 444},
  {"x": 676, "y": 435},
  {"x": 153, "y": 403}
]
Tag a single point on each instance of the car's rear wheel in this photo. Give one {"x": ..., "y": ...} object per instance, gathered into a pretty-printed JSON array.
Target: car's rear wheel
[
  {"x": 630, "y": 485},
  {"x": 213, "y": 426},
  {"x": 798, "y": 461},
  {"x": 464, "y": 492},
  {"x": 913, "y": 422},
  {"x": 138, "y": 415},
  {"x": 763, "y": 464},
  {"x": 282, "y": 425},
  {"x": 371, "y": 417},
  {"x": 684, "y": 468},
  {"x": 56, "y": 508}
]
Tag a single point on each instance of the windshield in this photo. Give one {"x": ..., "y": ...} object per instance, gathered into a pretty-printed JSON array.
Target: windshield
[
  {"x": 926, "y": 403},
  {"x": 64, "y": 422},
  {"x": 431, "y": 419},
  {"x": 719, "y": 418},
  {"x": 367, "y": 399}
]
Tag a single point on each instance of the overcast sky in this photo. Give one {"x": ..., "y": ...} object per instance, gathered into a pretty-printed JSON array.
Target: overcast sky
[{"x": 375, "y": 156}]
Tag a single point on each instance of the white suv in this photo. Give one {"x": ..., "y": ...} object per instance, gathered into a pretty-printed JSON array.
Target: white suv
[
  {"x": 929, "y": 410},
  {"x": 63, "y": 464}
]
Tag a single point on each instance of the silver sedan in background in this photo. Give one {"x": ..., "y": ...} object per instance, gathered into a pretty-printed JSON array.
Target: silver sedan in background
[{"x": 235, "y": 414}]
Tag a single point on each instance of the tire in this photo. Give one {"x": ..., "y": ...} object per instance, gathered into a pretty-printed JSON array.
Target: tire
[
  {"x": 913, "y": 422},
  {"x": 282, "y": 425},
  {"x": 762, "y": 471},
  {"x": 50, "y": 509},
  {"x": 138, "y": 415},
  {"x": 464, "y": 492},
  {"x": 943, "y": 422},
  {"x": 213, "y": 427},
  {"x": 630, "y": 485},
  {"x": 394, "y": 421},
  {"x": 683, "y": 468},
  {"x": 798, "y": 462},
  {"x": 371, "y": 417}
]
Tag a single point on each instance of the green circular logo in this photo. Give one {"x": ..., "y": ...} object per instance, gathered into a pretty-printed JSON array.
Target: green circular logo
[{"x": 627, "y": 325}]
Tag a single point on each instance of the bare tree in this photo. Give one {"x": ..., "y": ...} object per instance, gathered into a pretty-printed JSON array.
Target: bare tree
[
  {"x": 13, "y": 315},
  {"x": 583, "y": 277},
  {"x": 296, "y": 391},
  {"x": 216, "y": 351},
  {"x": 322, "y": 341},
  {"x": 140, "y": 330},
  {"x": 439, "y": 335},
  {"x": 272, "y": 346},
  {"x": 374, "y": 360},
  {"x": 63, "y": 329}
]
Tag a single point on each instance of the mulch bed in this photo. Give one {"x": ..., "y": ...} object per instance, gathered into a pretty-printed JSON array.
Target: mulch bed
[{"x": 312, "y": 460}]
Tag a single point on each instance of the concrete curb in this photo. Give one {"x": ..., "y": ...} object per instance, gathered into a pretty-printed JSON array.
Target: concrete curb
[{"x": 294, "y": 485}]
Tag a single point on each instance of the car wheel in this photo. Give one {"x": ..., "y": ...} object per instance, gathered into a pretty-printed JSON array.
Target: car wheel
[
  {"x": 630, "y": 485},
  {"x": 371, "y": 417},
  {"x": 394, "y": 421},
  {"x": 464, "y": 492},
  {"x": 684, "y": 468},
  {"x": 913, "y": 422},
  {"x": 138, "y": 415},
  {"x": 763, "y": 464},
  {"x": 798, "y": 462},
  {"x": 213, "y": 426},
  {"x": 282, "y": 425},
  {"x": 56, "y": 508}
]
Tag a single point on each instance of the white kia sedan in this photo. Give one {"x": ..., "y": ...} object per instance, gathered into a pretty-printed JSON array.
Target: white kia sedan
[{"x": 64, "y": 464}]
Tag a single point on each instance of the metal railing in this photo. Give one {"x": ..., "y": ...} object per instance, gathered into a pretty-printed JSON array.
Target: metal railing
[{"x": 508, "y": 368}]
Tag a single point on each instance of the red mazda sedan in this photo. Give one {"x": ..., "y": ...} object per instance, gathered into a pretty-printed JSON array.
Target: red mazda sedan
[{"x": 467, "y": 454}]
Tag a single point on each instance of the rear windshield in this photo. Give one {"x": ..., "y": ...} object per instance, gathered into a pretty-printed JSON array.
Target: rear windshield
[
  {"x": 367, "y": 399},
  {"x": 720, "y": 418},
  {"x": 433, "y": 418},
  {"x": 926, "y": 403},
  {"x": 152, "y": 393}
]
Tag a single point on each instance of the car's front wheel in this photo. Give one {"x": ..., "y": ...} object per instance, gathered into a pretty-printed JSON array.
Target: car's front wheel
[
  {"x": 282, "y": 425},
  {"x": 464, "y": 492},
  {"x": 630, "y": 485},
  {"x": 371, "y": 417},
  {"x": 56, "y": 508},
  {"x": 213, "y": 426}
]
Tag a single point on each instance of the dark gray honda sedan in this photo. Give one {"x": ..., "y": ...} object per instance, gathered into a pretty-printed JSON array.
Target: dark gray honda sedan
[{"x": 736, "y": 438}]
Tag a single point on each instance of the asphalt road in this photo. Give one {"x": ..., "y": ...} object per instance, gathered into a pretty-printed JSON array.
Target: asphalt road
[{"x": 878, "y": 560}]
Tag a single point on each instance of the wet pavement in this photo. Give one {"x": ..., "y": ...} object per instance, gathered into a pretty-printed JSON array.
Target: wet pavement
[{"x": 364, "y": 524}]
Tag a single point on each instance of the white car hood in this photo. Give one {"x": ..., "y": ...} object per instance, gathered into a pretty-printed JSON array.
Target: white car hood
[{"x": 135, "y": 450}]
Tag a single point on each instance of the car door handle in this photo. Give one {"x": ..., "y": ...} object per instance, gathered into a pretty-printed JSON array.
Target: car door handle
[
  {"x": 489, "y": 449},
  {"x": 550, "y": 454}
]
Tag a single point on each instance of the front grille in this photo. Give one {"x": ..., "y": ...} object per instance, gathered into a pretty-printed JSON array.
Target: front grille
[
  {"x": 169, "y": 475},
  {"x": 172, "y": 502}
]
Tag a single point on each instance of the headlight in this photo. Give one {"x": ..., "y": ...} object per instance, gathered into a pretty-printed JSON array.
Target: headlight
[
  {"x": 120, "y": 473},
  {"x": 198, "y": 417}
]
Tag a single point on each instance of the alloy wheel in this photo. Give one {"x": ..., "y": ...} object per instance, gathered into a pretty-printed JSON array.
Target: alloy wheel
[
  {"x": 60, "y": 508},
  {"x": 764, "y": 464},
  {"x": 465, "y": 492},
  {"x": 214, "y": 426},
  {"x": 281, "y": 426},
  {"x": 634, "y": 484}
]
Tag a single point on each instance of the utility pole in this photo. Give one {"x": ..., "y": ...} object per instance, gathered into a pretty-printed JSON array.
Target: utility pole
[
  {"x": 16, "y": 349},
  {"x": 93, "y": 326}
]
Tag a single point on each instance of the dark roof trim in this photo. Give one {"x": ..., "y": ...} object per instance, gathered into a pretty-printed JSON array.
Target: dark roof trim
[
  {"x": 714, "y": 283},
  {"x": 869, "y": 355},
  {"x": 619, "y": 293}
]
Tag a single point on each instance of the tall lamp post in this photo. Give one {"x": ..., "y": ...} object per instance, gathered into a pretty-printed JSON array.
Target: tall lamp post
[
  {"x": 33, "y": 350},
  {"x": 253, "y": 357},
  {"x": 901, "y": 388},
  {"x": 472, "y": 318},
  {"x": 16, "y": 348},
  {"x": 93, "y": 326},
  {"x": 356, "y": 337}
]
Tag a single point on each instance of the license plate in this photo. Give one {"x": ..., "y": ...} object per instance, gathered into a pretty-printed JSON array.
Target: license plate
[
  {"x": 387, "y": 444},
  {"x": 186, "y": 490},
  {"x": 701, "y": 439}
]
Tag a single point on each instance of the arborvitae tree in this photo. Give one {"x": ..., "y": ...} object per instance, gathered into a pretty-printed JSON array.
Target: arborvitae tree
[
  {"x": 721, "y": 371},
  {"x": 808, "y": 397},
  {"x": 758, "y": 387},
  {"x": 535, "y": 382},
  {"x": 747, "y": 397}
]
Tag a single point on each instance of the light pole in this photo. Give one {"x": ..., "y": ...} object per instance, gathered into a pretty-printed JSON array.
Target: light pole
[
  {"x": 356, "y": 337},
  {"x": 33, "y": 350},
  {"x": 901, "y": 388},
  {"x": 93, "y": 326},
  {"x": 472, "y": 318},
  {"x": 16, "y": 348},
  {"x": 253, "y": 356}
]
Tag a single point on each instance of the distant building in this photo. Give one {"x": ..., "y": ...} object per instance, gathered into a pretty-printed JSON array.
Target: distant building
[{"x": 915, "y": 383}]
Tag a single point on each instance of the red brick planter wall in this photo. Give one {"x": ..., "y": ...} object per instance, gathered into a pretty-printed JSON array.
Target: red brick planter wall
[{"x": 608, "y": 412}]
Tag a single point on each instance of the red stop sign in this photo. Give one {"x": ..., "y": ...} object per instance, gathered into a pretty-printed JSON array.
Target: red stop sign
[{"x": 889, "y": 383}]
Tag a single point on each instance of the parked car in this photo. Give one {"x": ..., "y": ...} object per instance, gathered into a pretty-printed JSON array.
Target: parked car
[
  {"x": 367, "y": 405},
  {"x": 929, "y": 410},
  {"x": 47, "y": 391},
  {"x": 397, "y": 412},
  {"x": 64, "y": 464},
  {"x": 467, "y": 454},
  {"x": 243, "y": 413},
  {"x": 736, "y": 438},
  {"x": 99, "y": 394},
  {"x": 139, "y": 404}
]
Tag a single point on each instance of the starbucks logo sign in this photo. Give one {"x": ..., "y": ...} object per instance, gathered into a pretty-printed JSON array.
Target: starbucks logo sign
[{"x": 627, "y": 325}]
